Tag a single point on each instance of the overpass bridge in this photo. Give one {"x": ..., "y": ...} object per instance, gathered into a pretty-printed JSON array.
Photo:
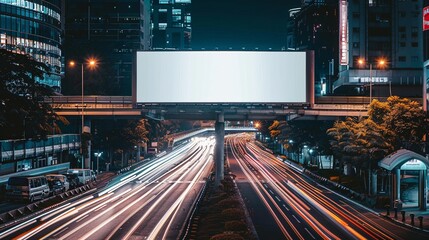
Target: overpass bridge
[{"x": 124, "y": 106}]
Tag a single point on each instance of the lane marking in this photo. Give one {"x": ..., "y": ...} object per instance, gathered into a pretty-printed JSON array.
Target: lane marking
[
  {"x": 296, "y": 218},
  {"x": 62, "y": 230},
  {"x": 82, "y": 218},
  {"x": 286, "y": 207},
  {"x": 309, "y": 233}
]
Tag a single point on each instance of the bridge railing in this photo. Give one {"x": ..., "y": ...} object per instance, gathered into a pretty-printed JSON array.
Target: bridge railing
[
  {"x": 90, "y": 99},
  {"x": 90, "y": 102}
]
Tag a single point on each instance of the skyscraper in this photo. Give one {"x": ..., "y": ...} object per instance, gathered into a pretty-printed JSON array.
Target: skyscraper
[
  {"x": 111, "y": 31},
  {"x": 34, "y": 27},
  {"x": 314, "y": 25},
  {"x": 108, "y": 30},
  {"x": 372, "y": 31},
  {"x": 426, "y": 51},
  {"x": 171, "y": 24}
]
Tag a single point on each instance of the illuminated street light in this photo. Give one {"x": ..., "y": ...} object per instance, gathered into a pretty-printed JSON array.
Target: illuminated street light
[
  {"x": 92, "y": 63},
  {"x": 98, "y": 155},
  {"x": 381, "y": 62}
]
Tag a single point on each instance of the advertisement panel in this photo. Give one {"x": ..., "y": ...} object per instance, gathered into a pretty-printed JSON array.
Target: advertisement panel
[
  {"x": 220, "y": 77},
  {"x": 344, "y": 31},
  {"x": 425, "y": 18}
]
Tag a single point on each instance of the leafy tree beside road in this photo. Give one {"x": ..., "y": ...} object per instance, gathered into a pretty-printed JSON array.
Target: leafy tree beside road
[
  {"x": 391, "y": 125},
  {"x": 404, "y": 118},
  {"x": 22, "y": 110}
]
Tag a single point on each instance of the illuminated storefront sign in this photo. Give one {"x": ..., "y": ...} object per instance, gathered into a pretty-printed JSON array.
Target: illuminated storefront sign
[
  {"x": 368, "y": 79},
  {"x": 344, "y": 44},
  {"x": 425, "y": 18}
]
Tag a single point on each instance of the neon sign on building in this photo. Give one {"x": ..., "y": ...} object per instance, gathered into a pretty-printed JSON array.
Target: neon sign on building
[{"x": 344, "y": 42}]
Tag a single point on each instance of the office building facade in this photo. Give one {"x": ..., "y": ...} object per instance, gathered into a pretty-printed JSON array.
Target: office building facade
[
  {"x": 314, "y": 25},
  {"x": 425, "y": 28},
  {"x": 109, "y": 31},
  {"x": 375, "y": 31},
  {"x": 170, "y": 24},
  {"x": 34, "y": 27}
]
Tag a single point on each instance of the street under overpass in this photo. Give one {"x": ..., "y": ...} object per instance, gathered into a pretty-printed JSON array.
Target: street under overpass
[{"x": 220, "y": 86}]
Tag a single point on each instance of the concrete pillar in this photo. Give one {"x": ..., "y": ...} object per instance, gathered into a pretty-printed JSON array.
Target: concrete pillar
[
  {"x": 422, "y": 189},
  {"x": 373, "y": 182},
  {"x": 87, "y": 128},
  {"x": 138, "y": 152},
  {"x": 398, "y": 184},
  {"x": 219, "y": 148}
]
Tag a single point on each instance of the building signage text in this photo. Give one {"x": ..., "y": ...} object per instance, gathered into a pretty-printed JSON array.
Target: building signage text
[{"x": 344, "y": 45}]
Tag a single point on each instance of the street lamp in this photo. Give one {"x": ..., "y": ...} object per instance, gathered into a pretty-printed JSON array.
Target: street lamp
[
  {"x": 91, "y": 63},
  {"x": 98, "y": 155},
  {"x": 381, "y": 62}
]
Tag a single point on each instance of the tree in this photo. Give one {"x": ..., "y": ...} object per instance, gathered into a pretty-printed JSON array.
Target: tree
[
  {"x": 404, "y": 118},
  {"x": 360, "y": 143},
  {"x": 22, "y": 110}
]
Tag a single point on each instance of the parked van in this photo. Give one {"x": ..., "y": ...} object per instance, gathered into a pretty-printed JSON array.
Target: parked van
[
  {"x": 84, "y": 175},
  {"x": 60, "y": 182},
  {"x": 27, "y": 188}
]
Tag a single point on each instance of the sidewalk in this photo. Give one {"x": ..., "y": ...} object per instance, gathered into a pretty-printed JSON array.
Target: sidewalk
[{"x": 421, "y": 218}]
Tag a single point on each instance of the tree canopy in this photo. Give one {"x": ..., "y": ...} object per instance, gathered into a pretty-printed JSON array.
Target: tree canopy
[
  {"x": 404, "y": 118},
  {"x": 391, "y": 125},
  {"x": 22, "y": 110}
]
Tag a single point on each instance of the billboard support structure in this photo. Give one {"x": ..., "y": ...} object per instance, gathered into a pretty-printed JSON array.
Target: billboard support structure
[{"x": 219, "y": 148}]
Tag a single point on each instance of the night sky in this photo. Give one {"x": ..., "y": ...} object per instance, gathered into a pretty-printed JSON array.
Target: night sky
[{"x": 240, "y": 23}]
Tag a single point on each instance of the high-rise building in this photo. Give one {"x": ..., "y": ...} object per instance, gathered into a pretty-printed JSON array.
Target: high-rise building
[
  {"x": 290, "y": 34},
  {"x": 34, "y": 27},
  {"x": 426, "y": 52},
  {"x": 108, "y": 30},
  {"x": 111, "y": 31},
  {"x": 171, "y": 24},
  {"x": 314, "y": 24},
  {"x": 376, "y": 31}
]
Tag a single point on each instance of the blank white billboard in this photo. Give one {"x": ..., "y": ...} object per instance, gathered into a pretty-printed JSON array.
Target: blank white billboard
[{"x": 220, "y": 77}]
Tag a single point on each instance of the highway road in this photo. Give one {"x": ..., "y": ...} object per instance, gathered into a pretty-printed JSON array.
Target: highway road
[
  {"x": 286, "y": 204},
  {"x": 151, "y": 202}
]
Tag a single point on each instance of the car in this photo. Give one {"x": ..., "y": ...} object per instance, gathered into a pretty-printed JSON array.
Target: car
[
  {"x": 84, "y": 175},
  {"x": 63, "y": 180},
  {"x": 55, "y": 186},
  {"x": 73, "y": 180}
]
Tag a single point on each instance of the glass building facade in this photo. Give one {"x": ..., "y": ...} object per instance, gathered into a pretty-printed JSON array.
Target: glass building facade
[
  {"x": 425, "y": 29},
  {"x": 108, "y": 30},
  {"x": 171, "y": 24},
  {"x": 34, "y": 27},
  {"x": 314, "y": 24},
  {"x": 374, "y": 30}
]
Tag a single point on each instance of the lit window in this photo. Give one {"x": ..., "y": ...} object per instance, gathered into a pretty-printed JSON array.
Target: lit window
[{"x": 162, "y": 26}]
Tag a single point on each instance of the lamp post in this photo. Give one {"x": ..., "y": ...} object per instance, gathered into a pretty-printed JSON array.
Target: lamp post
[
  {"x": 381, "y": 63},
  {"x": 98, "y": 155},
  {"x": 92, "y": 63}
]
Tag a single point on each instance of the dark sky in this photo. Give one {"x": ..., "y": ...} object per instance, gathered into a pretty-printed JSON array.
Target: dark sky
[{"x": 240, "y": 23}]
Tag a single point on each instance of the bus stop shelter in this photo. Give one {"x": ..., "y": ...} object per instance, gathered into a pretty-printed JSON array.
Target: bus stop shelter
[{"x": 408, "y": 180}]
